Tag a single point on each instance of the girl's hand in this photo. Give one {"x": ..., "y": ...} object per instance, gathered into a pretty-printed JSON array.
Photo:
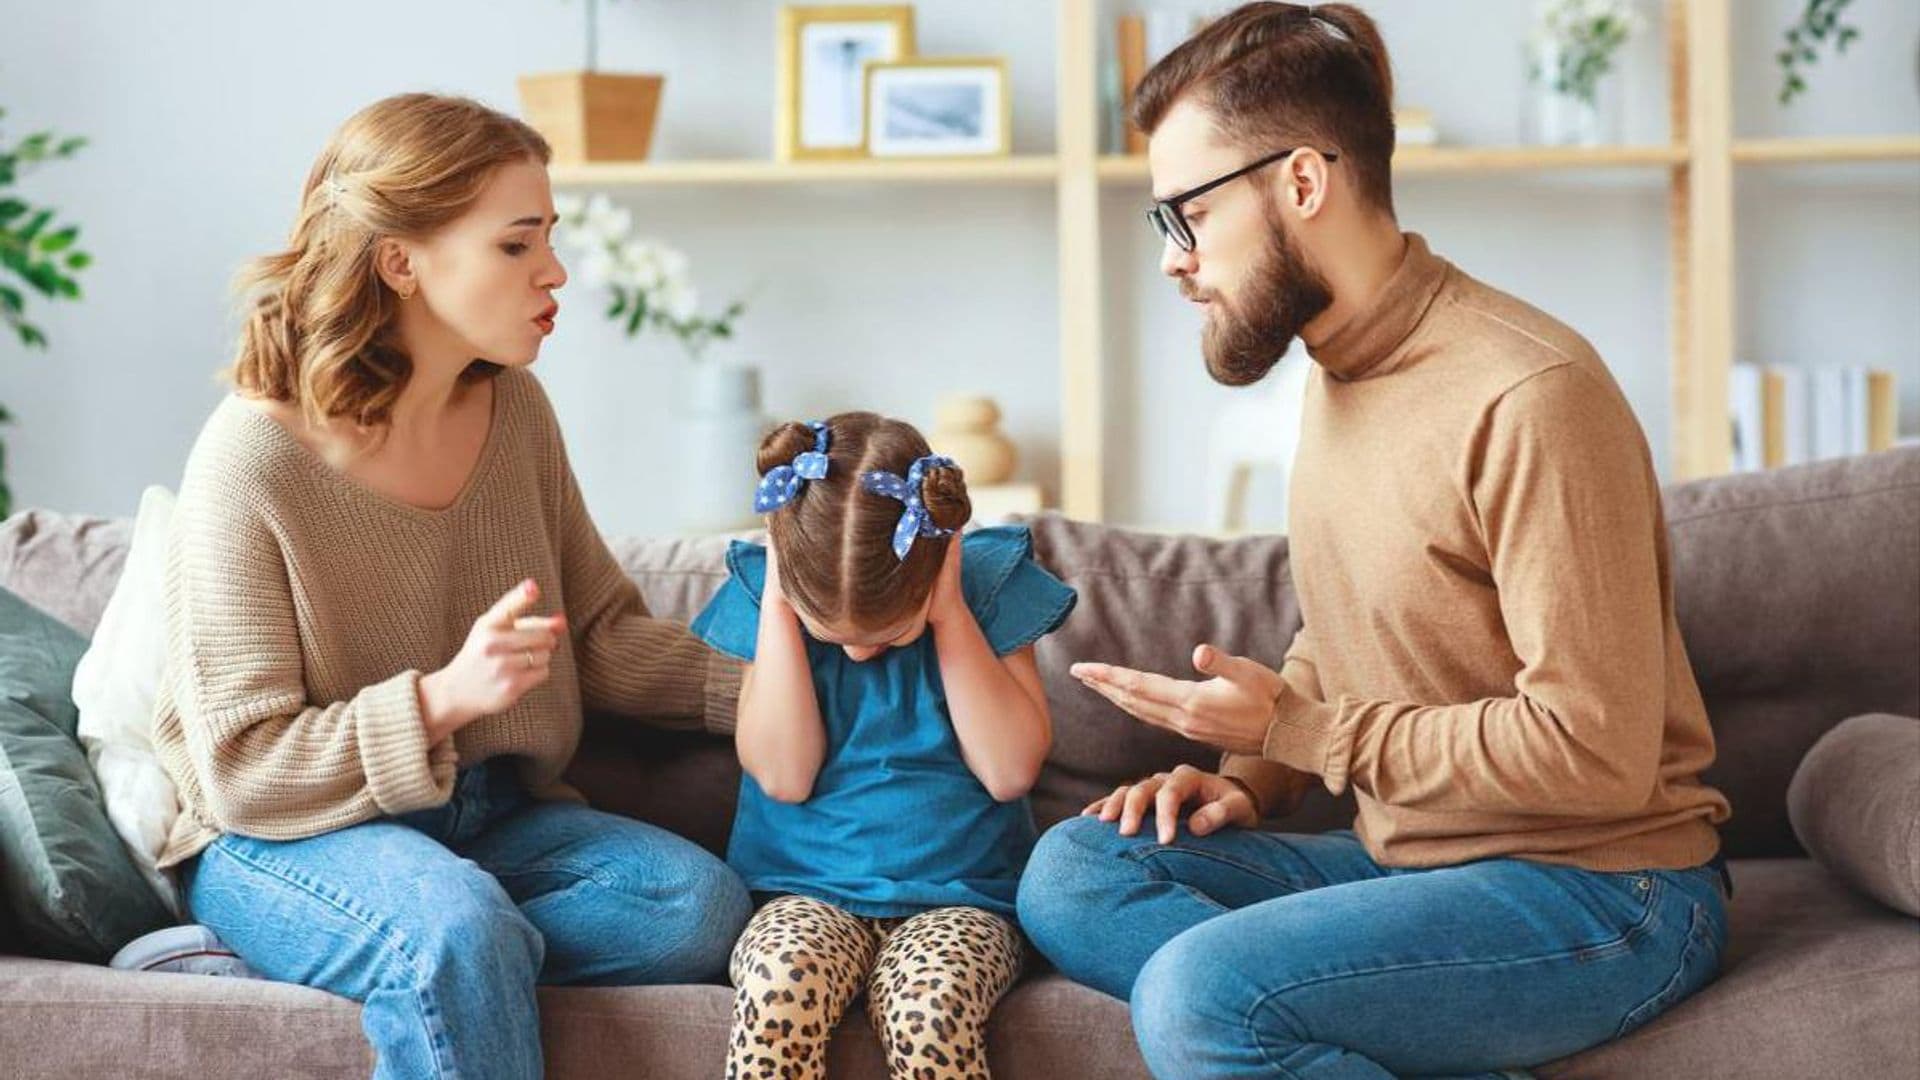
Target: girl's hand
[{"x": 948, "y": 602}]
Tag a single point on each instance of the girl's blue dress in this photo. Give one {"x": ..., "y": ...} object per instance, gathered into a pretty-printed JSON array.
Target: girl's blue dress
[{"x": 896, "y": 824}]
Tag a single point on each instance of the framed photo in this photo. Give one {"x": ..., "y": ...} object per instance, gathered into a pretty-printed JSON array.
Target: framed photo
[
  {"x": 938, "y": 107},
  {"x": 823, "y": 53}
]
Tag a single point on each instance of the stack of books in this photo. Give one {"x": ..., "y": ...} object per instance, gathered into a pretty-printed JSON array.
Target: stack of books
[{"x": 1792, "y": 415}]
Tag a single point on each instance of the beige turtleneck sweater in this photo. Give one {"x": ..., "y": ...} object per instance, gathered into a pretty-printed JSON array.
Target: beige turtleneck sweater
[
  {"x": 302, "y": 608},
  {"x": 1489, "y": 655}
]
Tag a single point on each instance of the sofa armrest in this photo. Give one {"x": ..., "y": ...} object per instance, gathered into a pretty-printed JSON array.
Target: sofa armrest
[{"x": 1855, "y": 805}]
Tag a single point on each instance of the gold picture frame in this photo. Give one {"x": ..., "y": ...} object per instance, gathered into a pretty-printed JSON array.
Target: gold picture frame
[
  {"x": 949, "y": 121},
  {"x": 820, "y": 113}
]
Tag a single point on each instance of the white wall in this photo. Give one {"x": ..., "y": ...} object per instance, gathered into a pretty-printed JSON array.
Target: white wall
[{"x": 204, "y": 117}]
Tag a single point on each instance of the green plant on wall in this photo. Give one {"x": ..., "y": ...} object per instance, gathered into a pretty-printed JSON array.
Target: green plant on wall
[
  {"x": 1819, "y": 23},
  {"x": 37, "y": 253}
]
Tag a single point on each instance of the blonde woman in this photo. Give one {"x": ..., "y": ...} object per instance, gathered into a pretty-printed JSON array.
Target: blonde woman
[{"x": 387, "y": 607}]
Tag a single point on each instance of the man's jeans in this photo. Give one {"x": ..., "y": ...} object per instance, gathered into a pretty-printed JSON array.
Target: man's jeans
[
  {"x": 442, "y": 921},
  {"x": 1253, "y": 954}
]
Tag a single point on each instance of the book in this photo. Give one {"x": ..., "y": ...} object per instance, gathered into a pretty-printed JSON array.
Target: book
[
  {"x": 1829, "y": 413},
  {"x": 1744, "y": 392},
  {"x": 1796, "y": 436},
  {"x": 1131, "y": 49},
  {"x": 1883, "y": 411},
  {"x": 1854, "y": 380}
]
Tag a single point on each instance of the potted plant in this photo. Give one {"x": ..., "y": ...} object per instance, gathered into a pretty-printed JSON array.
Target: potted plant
[
  {"x": 1570, "y": 54},
  {"x": 720, "y": 423},
  {"x": 36, "y": 253},
  {"x": 591, "y": 115},
  {"x": 1818, "y": 24}
]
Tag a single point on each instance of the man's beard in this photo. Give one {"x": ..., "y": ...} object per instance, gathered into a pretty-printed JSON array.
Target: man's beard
[{"x": 1244, "y": 339}]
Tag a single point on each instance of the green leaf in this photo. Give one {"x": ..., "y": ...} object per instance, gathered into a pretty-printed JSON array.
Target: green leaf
[
  {"x": 34, "y": 225},
  {"x": 10, "y": 209},
  {"x": 78, "y": 261},
  {"x": 69, "y": 147},
  {"x": 11, "y": 300},
  {"x": 67, "y": 287},
  {"x": 30, "y": 336},
  {"x": 619, "y": 303},
  {"x": 59, "y": 241}
]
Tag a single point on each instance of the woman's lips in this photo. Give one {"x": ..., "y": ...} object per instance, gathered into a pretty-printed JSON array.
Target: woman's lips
[{"x": 544, "y": 320}]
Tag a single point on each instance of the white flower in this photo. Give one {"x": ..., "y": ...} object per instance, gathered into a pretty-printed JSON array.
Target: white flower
[
  {"x": 605, "y": 222},
  {"x": 599, "y": 269},
  {"x": 681, "y": 301},
  {"x": 638, "y": 267},
  {"x": 568, "y": 206}
]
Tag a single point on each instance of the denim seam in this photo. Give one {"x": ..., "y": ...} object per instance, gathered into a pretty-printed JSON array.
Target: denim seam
[
  {"x": 1665, "y": 997},
  {"x": 385, "y": 935},
  {"x": 583, "y": 871},
  {"x": 1141, "y": 855},
  {"x": 1612, "y": 948}
]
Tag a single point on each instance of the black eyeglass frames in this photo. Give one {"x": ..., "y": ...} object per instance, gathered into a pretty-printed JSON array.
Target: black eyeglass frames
[{"x": 1171, "y": 224}]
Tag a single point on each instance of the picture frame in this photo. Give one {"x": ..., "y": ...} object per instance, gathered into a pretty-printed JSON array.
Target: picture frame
[
  {"x": 938, "y": 107},
  {"x": 821, "y": 111}
]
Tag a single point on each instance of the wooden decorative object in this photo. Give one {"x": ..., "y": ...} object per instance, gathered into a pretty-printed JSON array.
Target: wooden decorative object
[{"x": 591, "y": 116}]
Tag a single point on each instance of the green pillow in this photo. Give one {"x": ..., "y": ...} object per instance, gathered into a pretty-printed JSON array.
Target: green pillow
[{"x": 72, "y": 890}]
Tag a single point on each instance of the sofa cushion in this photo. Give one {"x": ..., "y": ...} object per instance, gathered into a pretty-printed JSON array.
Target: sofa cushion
[
  {"x": 1855, "y": 805},
  {"x": 1819, "y": 983},
  {"x": 70, "y": 886},
  {"x": 64, "y": 564},
  {"x": 1798, "y": 594}
]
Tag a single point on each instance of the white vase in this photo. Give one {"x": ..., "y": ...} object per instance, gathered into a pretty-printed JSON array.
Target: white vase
[
  {"x": 1558, "y": 118},
  {"x": 716, "y": 440}
]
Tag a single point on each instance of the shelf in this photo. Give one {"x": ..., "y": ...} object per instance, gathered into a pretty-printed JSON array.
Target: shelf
[
  {"x": 1827, "y": 149},
  {"x": 1475, "y": 159},
  {"x": 1028, "y": 169}
]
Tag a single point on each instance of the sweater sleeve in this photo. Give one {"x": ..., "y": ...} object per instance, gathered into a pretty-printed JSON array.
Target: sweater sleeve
[
  {"x": 630, "y": 662},
  {"x": 1278, "y": 789},
  {"x": 1568, "y": 506},
  {"x": 271, "y": 763}
]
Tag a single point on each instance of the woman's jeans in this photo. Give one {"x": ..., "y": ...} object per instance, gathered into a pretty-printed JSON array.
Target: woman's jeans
[
  {"x": 442, "y": 921},
  {"x": 1251, "y": 954}
]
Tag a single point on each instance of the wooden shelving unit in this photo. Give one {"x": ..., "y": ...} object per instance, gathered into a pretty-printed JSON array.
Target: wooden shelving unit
[
  {"x": 1028, "y": 169},
  {"x": 1699, "y": 166}
]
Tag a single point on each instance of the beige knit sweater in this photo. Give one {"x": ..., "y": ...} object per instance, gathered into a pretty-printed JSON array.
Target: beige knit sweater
[
  {"x": 1490, "y": 657},
  {"x": 303, "y": 607}
]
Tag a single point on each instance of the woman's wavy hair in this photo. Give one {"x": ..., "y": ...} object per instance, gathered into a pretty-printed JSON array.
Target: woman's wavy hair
[
  {"x": 834, "y": 540},
  {"x": 319, "y": 322}
]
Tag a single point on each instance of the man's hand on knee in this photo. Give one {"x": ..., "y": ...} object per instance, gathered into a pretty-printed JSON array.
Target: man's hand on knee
[{"x": 1221, "y": 801}]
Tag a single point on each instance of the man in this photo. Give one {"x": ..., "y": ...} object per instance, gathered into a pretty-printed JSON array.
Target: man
[{"x": 1489, "y": 657}]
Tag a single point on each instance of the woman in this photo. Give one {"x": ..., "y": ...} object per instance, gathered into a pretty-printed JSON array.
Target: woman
[{"x": 387, "y": 607}]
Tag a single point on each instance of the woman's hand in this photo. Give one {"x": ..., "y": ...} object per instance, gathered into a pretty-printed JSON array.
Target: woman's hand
[
  {"x": 948, "y": 602},
  {"x": 1222, "y": 801},
  {"x": 1230, "y": 711},
  {"x": 507, "y": 653}
]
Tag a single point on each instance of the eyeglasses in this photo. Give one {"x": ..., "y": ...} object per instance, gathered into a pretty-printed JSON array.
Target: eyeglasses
[{"x": 1171, "y": 224}]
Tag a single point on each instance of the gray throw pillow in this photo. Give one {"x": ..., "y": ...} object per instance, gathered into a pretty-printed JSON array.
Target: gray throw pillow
[
  {"x": 1855, "y": 805},
  {"x": 71, "y": 889}
]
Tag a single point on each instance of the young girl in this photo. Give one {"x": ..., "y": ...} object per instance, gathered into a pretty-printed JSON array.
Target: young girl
[{"x": 891, "y": 722}]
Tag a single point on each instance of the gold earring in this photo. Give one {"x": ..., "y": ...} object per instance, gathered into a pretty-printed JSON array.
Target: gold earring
[{"x": 406, "y": 294}]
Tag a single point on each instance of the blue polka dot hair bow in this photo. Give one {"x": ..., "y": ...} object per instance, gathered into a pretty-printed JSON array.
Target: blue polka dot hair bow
[
  {"x": 915, "y": 521},
  {"x": 782, "y": 483}
]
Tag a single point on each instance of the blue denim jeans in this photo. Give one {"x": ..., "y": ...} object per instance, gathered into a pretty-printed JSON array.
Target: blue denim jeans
[
  {"x": 441, "y": 922},
  {"x": 1254, "y": 954}
]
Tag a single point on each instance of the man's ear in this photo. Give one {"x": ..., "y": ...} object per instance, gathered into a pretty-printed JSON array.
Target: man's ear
[
  {"x": 394, "y": 263},
  {"x": 1305, "y": 174}
]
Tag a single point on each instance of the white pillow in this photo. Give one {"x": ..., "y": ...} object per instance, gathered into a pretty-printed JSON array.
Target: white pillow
[{"x": 114, "y": 688}]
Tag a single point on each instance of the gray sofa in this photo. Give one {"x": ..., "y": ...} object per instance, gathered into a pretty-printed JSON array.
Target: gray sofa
[{"x": 1799, "y": 595}]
